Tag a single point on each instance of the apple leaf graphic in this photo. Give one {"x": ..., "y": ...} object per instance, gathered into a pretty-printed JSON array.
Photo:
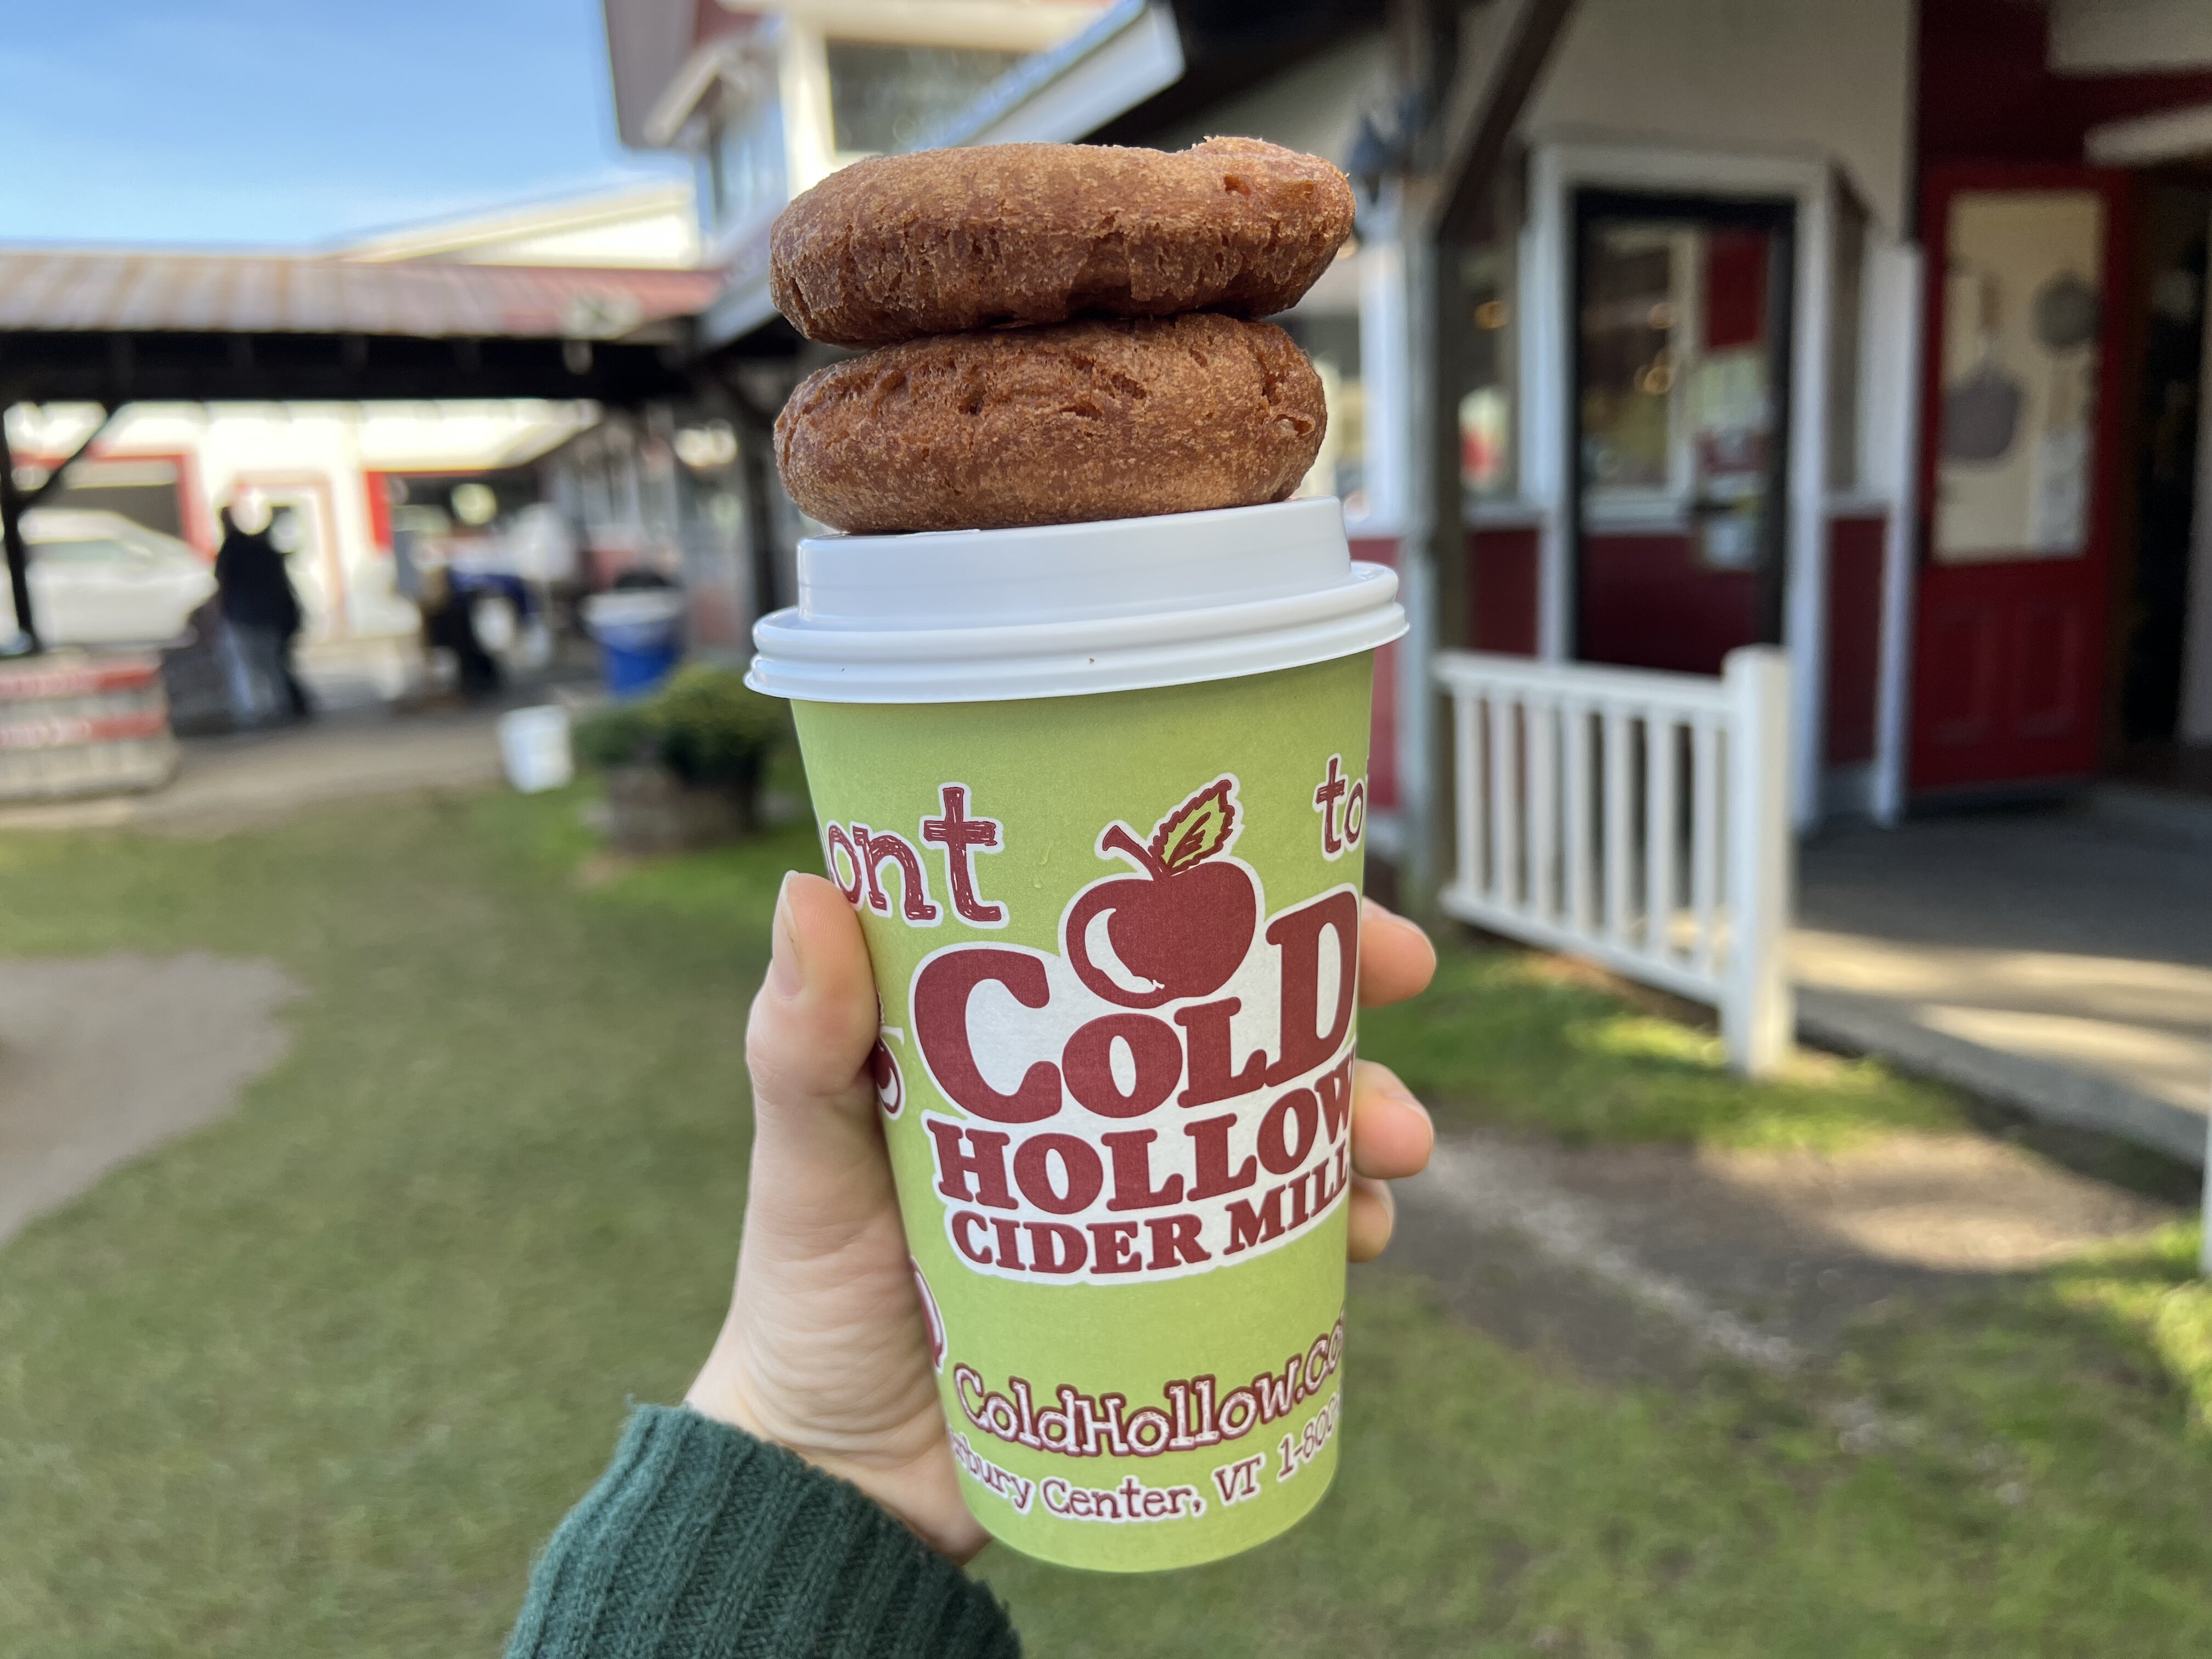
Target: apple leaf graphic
[{"x": 1198, "y": 829}]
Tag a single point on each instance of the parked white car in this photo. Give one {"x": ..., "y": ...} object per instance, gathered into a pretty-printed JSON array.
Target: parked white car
[{"x": 98, "y": 578}]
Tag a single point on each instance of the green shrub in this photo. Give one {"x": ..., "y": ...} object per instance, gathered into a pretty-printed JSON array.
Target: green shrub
[
  {"x": 614, "y": 735},
  {"x": 716, "y": 729},
  {"x": 705, "y": 725}
]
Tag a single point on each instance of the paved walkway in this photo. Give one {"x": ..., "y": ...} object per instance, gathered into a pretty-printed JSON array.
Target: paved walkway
[
  {"x": 2049, "y": 960},
  {"x": 254, "y": 778},
  {"x": 102, "y": 1060},
  {"x": 1641, "y": 1263}
]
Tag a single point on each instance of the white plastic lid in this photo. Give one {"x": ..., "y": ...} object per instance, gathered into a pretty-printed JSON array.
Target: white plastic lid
[{"x": 984, "y": 616}]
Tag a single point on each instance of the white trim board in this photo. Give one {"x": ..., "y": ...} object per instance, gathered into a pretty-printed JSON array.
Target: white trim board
[
  {"x": 1131, "y": 51},
  {"x": 2194, "y": 725},
  {"x": 1892, "y": 299},
  {"x": 2171, "y": 135}
]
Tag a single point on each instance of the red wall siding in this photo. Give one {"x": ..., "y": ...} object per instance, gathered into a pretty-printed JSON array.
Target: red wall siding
[
  {"x": 1854, "y": 676},
  {"x": 1735, "y": 288},
  {"x": 1649, "y": 602},
  {"x": 1987, "y": 93},
  {"x": 1382, "y": 741},
  {"x": 1501, "y": 589}
]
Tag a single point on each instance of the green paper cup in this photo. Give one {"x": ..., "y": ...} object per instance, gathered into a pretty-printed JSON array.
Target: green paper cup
[{"x": 1098, "y": 793}]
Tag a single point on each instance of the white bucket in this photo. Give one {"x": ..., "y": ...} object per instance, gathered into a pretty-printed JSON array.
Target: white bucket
[
  {"x": 983, "y": 616},
  {"x": 533, "y": 746}
]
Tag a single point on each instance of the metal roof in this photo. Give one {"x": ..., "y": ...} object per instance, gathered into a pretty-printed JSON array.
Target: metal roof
[{"x": 52, "y": 292}]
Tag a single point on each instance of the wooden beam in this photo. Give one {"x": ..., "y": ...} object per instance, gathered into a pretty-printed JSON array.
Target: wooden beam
[{"x": 1518, "y": 44}]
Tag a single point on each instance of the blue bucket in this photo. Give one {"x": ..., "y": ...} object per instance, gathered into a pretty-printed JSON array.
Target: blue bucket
[{"x": 640, "y": 637}]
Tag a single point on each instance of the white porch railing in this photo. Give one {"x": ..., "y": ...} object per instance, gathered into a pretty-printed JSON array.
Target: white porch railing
[{"x": 1637, "y": 819}]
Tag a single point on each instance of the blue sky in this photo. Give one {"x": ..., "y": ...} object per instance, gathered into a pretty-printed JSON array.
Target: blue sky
[{"x": 264, "y": 122}]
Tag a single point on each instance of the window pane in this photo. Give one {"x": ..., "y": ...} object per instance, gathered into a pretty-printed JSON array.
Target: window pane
[
  {"x": 884, "y": 97},
  {"x": 1680, "y": 365},
  {"x": 1631, "y": 311},
  {"x": 2023, "y": 281},
  {"x": 1485, "y": 405},
  {"x": 748, "y": 168},
  {"x": 86, "y": 552}
]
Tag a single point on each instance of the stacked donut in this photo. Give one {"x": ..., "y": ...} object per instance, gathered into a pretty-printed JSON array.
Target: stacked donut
[{"x": 1062, "y": 333}]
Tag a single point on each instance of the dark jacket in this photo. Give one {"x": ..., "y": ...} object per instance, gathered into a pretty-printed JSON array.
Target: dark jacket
[{"x": 256, "y": 588}]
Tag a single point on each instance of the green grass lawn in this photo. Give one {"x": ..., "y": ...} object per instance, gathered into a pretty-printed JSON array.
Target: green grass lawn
[
  {"x": 317, "y": 1380},
  {"x": 1503, "y": 1038}
]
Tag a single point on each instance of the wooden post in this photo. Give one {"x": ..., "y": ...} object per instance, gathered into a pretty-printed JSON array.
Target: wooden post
[
  {"x": 1455, "y": 154},
  {"x": 1758, "y": 1012},
  {"x": 2204, "y": 1248}
]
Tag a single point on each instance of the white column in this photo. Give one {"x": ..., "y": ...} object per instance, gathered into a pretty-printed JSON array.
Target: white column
[
  {"x": 1383, "y": 353},
  {"x": 1758, "y": 1012},
  {"x": 1805, "y": 597},
  {"x": 1544, "y": 292},
  {"x": 1421, "y": 854},
  {"x": 2205, "y": 1253},
  {"x": 1889, "y": 451},
  {"x": 2195, "y": 723}
]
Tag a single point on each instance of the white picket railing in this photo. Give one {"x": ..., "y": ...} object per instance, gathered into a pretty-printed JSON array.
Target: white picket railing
[{"x": 1637, "y": 819}]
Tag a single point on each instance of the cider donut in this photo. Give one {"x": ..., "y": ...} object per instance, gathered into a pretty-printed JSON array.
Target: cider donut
[
  {"x": 945, "y": 242},
  {"x": 1094, "y": 419}
]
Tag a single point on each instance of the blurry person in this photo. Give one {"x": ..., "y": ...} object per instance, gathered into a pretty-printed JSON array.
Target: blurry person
[
  {"x": 449, "y": 624},
  {"x": 261, "y": 616}
]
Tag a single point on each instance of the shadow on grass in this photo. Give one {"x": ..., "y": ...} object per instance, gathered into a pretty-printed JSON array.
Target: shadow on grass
[{"x": 1502, "y": 1040}]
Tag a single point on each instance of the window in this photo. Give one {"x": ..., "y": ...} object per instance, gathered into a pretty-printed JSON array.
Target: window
[
  {"x": 887, "y": 97},
  {"x": 1636, "y": 334},
  {"x": 744, "y": 161},
  {"x": 1682, "y": 365},
  {"x": 1486, "y": 405},
  {"x": 88, "y": 552},
  {"x": 2024, "y": 280}
]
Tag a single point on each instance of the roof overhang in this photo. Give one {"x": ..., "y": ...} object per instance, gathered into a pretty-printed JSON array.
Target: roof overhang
[
  {"x": 995, "y": 25},
  {"x": 730, "y": 57},
  {"x": 118, "y": 327}
]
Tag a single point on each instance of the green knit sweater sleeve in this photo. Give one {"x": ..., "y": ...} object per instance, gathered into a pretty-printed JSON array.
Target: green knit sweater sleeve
[{"x": 702, "y": 1542}]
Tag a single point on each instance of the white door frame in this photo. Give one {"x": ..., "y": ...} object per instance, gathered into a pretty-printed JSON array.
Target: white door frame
[{"x": 1558, "y": 169}]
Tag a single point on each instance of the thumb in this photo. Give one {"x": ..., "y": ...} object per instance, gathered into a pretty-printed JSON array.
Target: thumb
[{"x": 817, "y": 1151}]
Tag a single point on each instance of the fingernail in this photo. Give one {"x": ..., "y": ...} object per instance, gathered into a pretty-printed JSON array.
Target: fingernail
[{"x": 786, "y": 970}]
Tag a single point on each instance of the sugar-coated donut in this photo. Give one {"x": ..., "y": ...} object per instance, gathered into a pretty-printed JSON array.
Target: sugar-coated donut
[
  {"x": 1095, "y": 419},
  {"x": 943, "y": 241}
]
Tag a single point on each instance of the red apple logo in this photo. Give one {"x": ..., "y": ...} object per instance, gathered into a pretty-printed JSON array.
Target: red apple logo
[{"x": 1180, "y": 926}]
